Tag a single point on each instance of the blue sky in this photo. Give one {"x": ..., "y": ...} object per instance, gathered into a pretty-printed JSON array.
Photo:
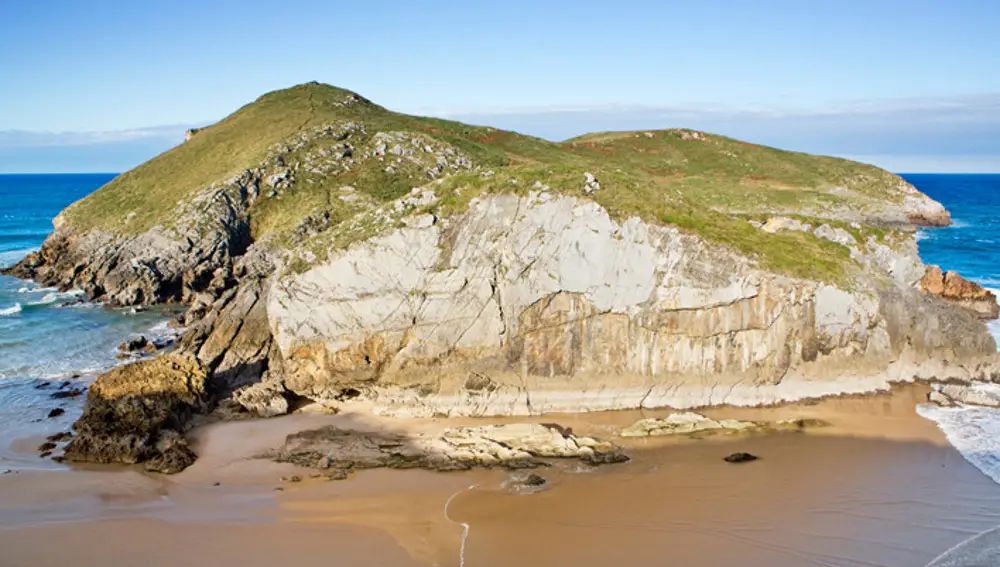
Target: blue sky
[{"x": 914, "y": 85}]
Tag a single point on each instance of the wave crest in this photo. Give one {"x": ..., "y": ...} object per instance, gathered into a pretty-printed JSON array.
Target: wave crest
[{"x": 10, "y": 311}]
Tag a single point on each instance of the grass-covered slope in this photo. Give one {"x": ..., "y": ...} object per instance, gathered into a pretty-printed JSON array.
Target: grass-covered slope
[{"x": 347, "y": 156}]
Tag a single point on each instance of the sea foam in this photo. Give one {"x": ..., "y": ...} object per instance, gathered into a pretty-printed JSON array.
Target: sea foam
[
  {"x": 12, "y": 310},
  {"x": 994, "y": 326},
  {"x": 973, "y": 430}
]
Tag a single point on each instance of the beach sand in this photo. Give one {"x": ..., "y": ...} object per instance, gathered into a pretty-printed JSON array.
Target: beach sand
[{"x": 879, "y": 487}]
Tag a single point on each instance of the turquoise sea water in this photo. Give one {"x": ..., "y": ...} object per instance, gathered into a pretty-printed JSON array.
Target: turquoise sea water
[
  {"x": 47, "y": 337},
  {"x": 40, "y": 335}
]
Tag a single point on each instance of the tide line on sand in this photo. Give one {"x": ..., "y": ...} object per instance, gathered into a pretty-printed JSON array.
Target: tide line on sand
[
  {"x": 979, "y": 550},
  {"x": 465, "y": 526}
]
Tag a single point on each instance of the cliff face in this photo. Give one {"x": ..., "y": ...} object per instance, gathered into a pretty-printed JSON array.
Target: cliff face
[
  {"x": 435, "y": 268},
  {"x": 544, "y": 304},
  {"x": 168, "y": 263}
]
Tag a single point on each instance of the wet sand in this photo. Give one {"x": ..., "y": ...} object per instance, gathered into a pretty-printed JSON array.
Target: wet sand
[{"x": 880, "y": 487}]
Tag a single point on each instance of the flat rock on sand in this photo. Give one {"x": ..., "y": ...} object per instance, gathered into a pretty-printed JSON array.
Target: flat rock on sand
[
  {"x": 696, "y": 424},
  {"x": 511, "y": 446}
]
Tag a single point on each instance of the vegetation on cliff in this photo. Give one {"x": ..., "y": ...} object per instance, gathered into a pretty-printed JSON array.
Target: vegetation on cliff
[{"x": 319, "y": 156}]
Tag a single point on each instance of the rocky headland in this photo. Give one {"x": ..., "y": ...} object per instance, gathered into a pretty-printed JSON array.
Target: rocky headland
[{"x": 330, "y": 250}]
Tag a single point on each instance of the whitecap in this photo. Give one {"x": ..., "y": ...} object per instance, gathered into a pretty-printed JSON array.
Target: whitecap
[
  {"x": 972, "y": 430},
  {"x": 11, "y": 257},
  {"x": 12, "y": 310},
  {"x": 37, "y": 289},
  {"x": 55, "y": 297}
]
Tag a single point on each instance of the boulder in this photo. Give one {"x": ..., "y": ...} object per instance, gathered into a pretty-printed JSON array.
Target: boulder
[
  {"x": 976, "y": 394},
  {"x": 137, "y": 344},
  {"x": 525, "y": 482},
  {"x": 778, "y": 224},
  {"x": 955, "y": 289},
  {"x": 60, "y": 437},
  {"x": 64, "y": 394},
  {"x": 940, "y": 399},
  {"x": 136, "y": 414},
  {"x": 740, "y": 458},
  {"x": 264, "y": 399}
]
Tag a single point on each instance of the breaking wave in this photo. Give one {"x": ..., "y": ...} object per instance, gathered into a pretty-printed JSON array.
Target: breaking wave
[
  {"x": 12, "y": 310},
  {"x": 973, "y": 430}
]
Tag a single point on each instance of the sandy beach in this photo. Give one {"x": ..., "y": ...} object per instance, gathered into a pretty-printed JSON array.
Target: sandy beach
[{"x": 879, "y": 486}]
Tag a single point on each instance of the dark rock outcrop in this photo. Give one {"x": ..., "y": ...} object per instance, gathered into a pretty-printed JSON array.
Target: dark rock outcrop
[
  {"x": 955, "y": 289},
  {"x": 137, "y": 344},
  {"x": 159, "y": 265},
  {"x": 137, "y": 413}
]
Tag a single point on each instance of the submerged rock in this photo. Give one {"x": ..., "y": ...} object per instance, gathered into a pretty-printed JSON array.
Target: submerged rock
[
  {"x": 514, "y": 446},
  {"x": 137, "y": 412},
  {"x": 740, "y": 458},
  {"x": 137, "y": 344},
  {"x": 63, "y": 394},
  {"x": 56, "y": 412}
]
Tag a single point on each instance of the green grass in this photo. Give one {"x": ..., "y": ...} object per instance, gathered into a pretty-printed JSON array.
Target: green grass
[{"x": 701, "y": 183}]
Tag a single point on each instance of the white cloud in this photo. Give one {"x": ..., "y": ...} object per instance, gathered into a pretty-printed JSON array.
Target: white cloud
[
  {"x": 907, "y": 135},
  {"x": 25, "y": 139}
]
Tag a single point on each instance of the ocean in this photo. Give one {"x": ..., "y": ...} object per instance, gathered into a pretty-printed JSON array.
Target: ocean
[
  {"x": 45, "y": 335},
  {"x": 971, "y": 246}
]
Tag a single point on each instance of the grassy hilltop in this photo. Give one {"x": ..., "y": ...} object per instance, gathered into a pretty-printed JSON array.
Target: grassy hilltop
[{"x": 702, "y": 183}]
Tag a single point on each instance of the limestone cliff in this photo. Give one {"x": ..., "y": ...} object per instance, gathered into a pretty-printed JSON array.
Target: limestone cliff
[
  {"x": 544, "y": 303},
  {"x": 332, "y": 250}
]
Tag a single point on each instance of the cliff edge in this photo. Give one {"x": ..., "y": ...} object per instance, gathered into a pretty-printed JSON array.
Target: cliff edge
[{"x": 333, "y": 250}]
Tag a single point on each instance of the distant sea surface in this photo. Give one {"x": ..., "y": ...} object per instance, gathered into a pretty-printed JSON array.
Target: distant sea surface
[
  {"x": 46, "y": 334},
  {"x": 971, "y": 246}
]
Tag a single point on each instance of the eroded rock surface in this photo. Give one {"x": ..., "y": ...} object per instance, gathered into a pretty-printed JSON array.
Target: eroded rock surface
[
  {"x": 953, "y": 288},
  {"x": 514, "y": 446},
  {"x": 137, "y": 413},
  {"x": 544, "y": 303},
  {"x": 164, "y": 264},
  {"x": 690, "y": 423},
  {"x": 975, "y": 394}
]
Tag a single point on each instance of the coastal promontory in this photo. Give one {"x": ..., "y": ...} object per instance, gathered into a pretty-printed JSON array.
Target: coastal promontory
[{"x": 328, "y": 249}]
